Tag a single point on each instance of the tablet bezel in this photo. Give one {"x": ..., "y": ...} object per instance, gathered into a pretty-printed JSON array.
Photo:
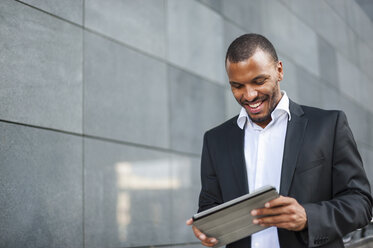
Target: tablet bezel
[{"x": 233, "y": 202}]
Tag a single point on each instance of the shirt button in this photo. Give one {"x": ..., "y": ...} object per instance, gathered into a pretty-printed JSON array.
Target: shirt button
[{"x": 256, "y": 244}]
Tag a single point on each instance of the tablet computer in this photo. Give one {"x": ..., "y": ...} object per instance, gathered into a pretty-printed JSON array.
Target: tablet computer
[{"x": 232, "y": 221}]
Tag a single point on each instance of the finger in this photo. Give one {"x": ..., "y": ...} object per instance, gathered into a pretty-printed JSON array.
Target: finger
[
  {"x": 201, "y": 236},
  {"x": 276, "y": 219},
  {"x": 288, "y": 225},
  {"x": 189, "y": 222},
  {"x": 279, "y": 201},
  {"x": 213, "y": 240},
  {"x": 287, "y": 209},
  {"x": 210, "y": 242},
  {"x": 207, "y": 244},
  {"x": 204, "y": 239}
]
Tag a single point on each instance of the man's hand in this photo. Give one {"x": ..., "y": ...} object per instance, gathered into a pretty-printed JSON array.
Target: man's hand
[
  {"x": 285, "y": 213},
  {"x": 206, "y": 241}
]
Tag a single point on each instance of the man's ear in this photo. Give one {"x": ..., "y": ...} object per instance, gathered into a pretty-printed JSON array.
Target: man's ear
[{"x": 280, "y": 70}]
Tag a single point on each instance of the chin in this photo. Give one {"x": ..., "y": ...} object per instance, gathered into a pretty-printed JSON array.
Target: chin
[{"x": 260, "y": 119}]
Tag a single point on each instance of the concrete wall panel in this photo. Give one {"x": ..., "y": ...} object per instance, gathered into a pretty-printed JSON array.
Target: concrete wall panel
[
  {"x": 41, "y": 188},
  {"x": 41, "y": 68},
  {"x": 185, "y": 171},
  {"x": 195, "y": 39},
  {"x": 127, "y": 195},
  {"x": 196, "y": 106},
  {"x": 126, "y": 95},
  {"x": 289, "y": 35},
  {"x": 140, "y": 24}
]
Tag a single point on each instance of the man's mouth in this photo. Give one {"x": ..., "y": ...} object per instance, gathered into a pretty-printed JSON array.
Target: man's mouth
[
  {"x": 255, "y": 108},
  {"x": 255, "y": 105}
]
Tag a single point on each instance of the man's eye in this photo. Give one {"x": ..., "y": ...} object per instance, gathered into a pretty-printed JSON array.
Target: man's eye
[
  {"x": 237, "y": 86},
  {"x": 260, "y": 82}
]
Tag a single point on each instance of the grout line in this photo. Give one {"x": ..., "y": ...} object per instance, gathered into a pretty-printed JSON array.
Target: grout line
[
  {"x": 83, "y": 122},
  {"x": 363, "y": 143},
  {"x": 169, "y": 109},
  {"x": 168, "y": 245},
  {"x": 83, "y": 191},
  {"x": 48, "y": 13},
  {"x": 121, "y": 142},
  {"x": 111, "y": 140},
  {"x": 160, "y": 149},
  {"x": 41, "y": 127}
]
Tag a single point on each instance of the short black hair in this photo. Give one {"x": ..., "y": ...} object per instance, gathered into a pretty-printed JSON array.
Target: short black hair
[{"x": 245, "y": 46}]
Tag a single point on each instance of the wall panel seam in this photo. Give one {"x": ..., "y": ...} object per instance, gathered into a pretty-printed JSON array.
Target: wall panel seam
[{"x": 109, "y": 140}]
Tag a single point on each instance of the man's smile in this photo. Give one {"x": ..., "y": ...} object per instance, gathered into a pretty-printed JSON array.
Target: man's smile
[
  {"x": 254, "y": 108},
  {"x": 255, "y": 105}
]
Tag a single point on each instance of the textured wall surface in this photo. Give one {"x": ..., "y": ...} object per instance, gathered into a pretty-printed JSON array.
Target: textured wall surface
[{"x": 103, "y": 106}]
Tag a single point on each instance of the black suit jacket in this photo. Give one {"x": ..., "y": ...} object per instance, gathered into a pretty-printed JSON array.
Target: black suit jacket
[{"x": 321, "y": 169}]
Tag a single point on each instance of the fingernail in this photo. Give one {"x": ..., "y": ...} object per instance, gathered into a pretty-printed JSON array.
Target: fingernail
[
  {"x": 267, "y": 205},
  {"x": 213, "y": 240},
  {"x": 254, "y": 212},
  {"x": 202, "y": 236},
  {"x": 255, "y": 221}
]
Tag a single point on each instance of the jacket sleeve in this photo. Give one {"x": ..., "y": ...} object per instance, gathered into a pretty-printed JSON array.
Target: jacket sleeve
[
  {"x": 351, "y": 205},
  {"x": 210, "y": 195}
]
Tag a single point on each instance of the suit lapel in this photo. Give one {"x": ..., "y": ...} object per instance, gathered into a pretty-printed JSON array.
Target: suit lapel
[
  {"x": 236, "y": 151},
  {"x": 293, "y": 140}
]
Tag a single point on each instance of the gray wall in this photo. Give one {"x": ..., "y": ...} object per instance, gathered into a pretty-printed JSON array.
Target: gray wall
[{"x": 103, "y": 105}]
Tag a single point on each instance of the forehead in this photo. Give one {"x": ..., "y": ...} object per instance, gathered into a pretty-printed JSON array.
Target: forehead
[{"x": 260, "y": 63}]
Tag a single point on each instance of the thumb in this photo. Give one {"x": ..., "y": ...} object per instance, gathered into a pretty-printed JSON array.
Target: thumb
[{"x": 189, "y": 222}]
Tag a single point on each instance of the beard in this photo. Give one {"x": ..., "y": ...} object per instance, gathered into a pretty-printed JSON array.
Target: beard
[
  {"x": 273, "y": 100},
  {"x": 261, "y": 119}
]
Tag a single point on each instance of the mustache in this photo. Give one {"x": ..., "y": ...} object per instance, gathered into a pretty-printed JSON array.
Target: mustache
[{"x": 245, "y": 102}]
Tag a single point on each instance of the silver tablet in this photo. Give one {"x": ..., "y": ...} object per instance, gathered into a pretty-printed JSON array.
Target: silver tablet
[{"x": 232, "y": 221}]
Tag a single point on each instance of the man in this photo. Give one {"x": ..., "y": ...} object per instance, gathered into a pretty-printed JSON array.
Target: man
[{"x": 308, "y": 154}]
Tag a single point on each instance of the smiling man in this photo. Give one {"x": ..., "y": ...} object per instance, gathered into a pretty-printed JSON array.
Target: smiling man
[{"x": 308, "y": 154}]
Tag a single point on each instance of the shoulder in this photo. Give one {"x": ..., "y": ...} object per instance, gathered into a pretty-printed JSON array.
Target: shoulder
[
  {"x": 318, "y": 114},
  {"x": 224, "y": 128},
  {"x": 320, "y": 119}
]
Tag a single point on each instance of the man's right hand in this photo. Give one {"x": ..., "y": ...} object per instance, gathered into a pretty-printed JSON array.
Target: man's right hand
[{"x": 206, "y": 241}]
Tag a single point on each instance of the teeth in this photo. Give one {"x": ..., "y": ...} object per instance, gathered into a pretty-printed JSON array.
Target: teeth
[{"x": 255, "y": 105}]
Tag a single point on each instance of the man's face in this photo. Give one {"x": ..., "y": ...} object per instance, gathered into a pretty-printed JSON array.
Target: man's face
[{"x": 255, "y": 85}]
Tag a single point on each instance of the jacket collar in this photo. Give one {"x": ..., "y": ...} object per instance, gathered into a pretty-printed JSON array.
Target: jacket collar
[
  {"x": 294, "y": 137},
  {"x": 293, "y": 140}
]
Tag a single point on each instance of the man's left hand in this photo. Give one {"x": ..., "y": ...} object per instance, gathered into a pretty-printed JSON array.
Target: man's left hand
[{"x": 284, "y": 212}]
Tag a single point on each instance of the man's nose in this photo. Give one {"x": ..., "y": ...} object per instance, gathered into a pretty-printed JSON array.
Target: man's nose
[{"x": 250, "y": 94}]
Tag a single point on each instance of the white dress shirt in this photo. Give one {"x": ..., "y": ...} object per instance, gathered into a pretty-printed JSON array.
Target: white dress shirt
[{"x": 263, "y": 149}]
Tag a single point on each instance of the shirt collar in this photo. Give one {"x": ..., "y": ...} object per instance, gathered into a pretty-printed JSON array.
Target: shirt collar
[{"x": 282, "y": 107}]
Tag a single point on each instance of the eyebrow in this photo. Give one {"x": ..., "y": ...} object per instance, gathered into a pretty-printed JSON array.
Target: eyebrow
[
  {"x": 265, "y": 76},
  {"x": 233, "y": 82},
  {"x": 260, "y": 77}
]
